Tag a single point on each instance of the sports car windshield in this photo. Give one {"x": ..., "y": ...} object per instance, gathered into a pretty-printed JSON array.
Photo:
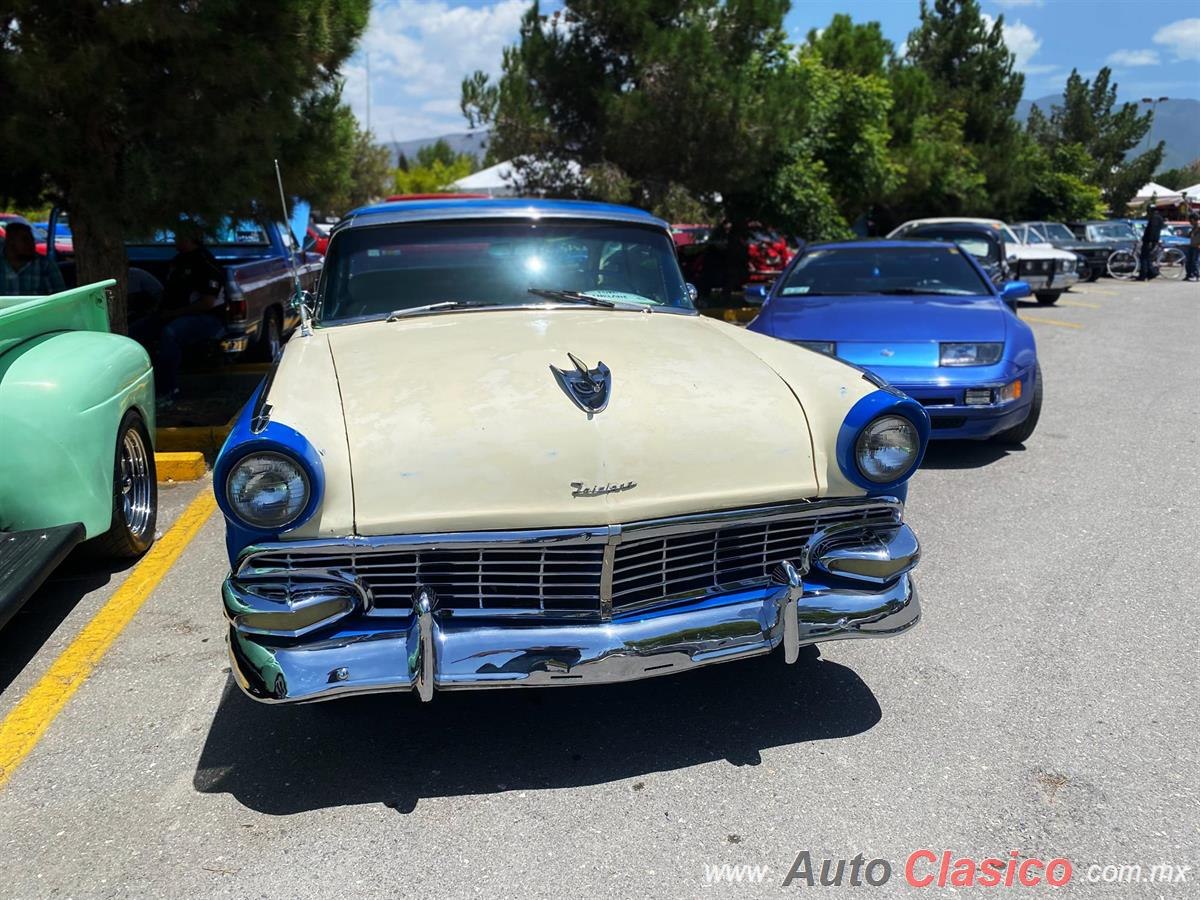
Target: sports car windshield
[
  {"x": 386, "y": 270},
  {"x": 1112, "y": 230},
  {"x": 899, "y": 271}
]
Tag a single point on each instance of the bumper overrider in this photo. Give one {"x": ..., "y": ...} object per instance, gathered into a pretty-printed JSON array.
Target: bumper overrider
[{"x": 307, "y": 622}]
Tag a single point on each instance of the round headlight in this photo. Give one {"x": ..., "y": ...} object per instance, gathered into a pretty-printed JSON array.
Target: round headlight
[
  {"x": 887, "y": 448},
  {"x": 267, "y": 490}
]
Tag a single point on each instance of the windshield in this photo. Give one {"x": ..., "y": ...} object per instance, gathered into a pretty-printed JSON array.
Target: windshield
[
  {"x": 1111, "y": 231},
  {"x": 227, "y": 232},
  {"x": 386, "y": 269},
  {"x": 833, "y": 271},
  {"x": 974, "y": 242},
  {"x": 1056, "y": 231}
]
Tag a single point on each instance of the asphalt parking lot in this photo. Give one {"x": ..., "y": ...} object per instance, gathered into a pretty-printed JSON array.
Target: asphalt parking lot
[{"x": 1046, "y": 704}]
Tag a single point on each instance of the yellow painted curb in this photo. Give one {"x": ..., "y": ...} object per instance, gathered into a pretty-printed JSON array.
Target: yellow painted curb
[
  {"x": 199, "y": 438},
  {"x": 738, "y": 316},
  {"x": 179, "y": 466},
  {"x": 25, "y": 724}
]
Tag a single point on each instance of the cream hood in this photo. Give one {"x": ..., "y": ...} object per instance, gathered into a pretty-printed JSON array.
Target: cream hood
[{"x": 456, "y": 422}]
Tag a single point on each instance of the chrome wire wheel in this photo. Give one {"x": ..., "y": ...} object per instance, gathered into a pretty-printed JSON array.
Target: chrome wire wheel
[
  {"x": 1123, "y": 264},
  {"x": 1172, "y": 264},
  {"x": 136, "y": 484}
]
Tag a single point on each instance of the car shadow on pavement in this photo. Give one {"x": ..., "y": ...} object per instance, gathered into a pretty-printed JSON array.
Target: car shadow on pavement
[
  {"x": 35, "y": 622},
  {"x": 966, "y": 454},
  {"x": 394, "y": 750}
]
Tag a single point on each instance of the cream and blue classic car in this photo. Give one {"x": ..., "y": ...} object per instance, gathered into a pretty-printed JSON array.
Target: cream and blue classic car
[{"x": 505, "y": 450}]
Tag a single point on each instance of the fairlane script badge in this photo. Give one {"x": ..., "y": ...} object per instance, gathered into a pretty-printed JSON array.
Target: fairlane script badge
[
  {"x": 578, "y": 489},
  {"x": 589, "y": 388}
]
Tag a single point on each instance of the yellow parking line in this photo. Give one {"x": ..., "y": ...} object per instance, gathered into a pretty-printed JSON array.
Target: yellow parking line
[
  {"x": 24, "y": 726},
  {"x": 1080, "y": 304},
  {"x": 1092, "y": 290},
  {"x": 1040, "y": 321}
]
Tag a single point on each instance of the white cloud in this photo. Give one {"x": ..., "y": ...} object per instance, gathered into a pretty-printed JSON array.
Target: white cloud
[
  {"x": 1024, "y": 44},
  {"x": 1131, "y": 58},
  {"x": 419, "y": 52},
  {"x": 1182, "y": 37}
]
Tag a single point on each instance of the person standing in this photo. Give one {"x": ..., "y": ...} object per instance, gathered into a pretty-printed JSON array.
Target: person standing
[
  {"x": 192, "y": 307},
  {"x": 1193, "y": 249},
  {"x": 23, "y": 273},
  {"x": 1150, "y": 239}
]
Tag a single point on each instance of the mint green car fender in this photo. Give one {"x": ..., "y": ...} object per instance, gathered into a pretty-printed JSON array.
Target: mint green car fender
[{"x": 62, "y": 398}]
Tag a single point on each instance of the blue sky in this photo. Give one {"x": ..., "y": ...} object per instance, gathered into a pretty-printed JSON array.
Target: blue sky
[{"x": 419, "y": 50}]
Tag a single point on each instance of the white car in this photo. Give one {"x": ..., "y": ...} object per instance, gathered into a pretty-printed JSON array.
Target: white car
[
  {"x": 1046, "y": 270},
  {"x": 500, "y": 456}
]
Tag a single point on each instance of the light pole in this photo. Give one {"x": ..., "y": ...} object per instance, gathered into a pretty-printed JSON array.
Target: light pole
[{"x": 1153, "y": 111}]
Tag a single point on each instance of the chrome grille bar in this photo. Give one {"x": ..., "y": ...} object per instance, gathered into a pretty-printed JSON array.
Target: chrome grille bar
[{"x": 592, "y": 572}]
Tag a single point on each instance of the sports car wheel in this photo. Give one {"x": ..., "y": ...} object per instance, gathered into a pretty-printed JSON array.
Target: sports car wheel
[
  {"x": 135, "y": 493},
  {"x": 1019, "y": 434},
  {"x": 1048, "y": 298}
]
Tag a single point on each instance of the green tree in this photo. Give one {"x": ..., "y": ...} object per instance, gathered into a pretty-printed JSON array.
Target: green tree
[
  {"x": 1181, "y": 177},
  {"x": 128, "y": 114},
  {"x": 971, "y": 72},
  {"x": 434, "y": 168},
  {"x": 364, "y": 170},
  {"x": 667, "y": 93},
  {"x": 1087, "y": 118},
  {"x": 933, "y": 172}
]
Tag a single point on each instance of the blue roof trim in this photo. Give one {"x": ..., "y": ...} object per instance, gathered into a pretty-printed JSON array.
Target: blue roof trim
[{"x": 508, "y": 208}]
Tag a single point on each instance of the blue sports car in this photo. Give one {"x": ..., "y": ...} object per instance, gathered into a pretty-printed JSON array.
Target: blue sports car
[{"x": 923, "y": 316}]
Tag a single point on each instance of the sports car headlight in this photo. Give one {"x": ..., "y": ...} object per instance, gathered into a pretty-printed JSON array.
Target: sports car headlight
[
  {"x": 267, "y": 490},
  {"x": 887, "y": 449},
  {"x": 970, "y": 354},
  {"x": 829, "y": 348}
]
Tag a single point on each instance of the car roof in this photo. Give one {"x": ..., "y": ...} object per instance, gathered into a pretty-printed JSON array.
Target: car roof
[
  {"x": 507, "y": 208},
  {"x": 877, "y": 243},
  {"x": 946, "y": 220}
]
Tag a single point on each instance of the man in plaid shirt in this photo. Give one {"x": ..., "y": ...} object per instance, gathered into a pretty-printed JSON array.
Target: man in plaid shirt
[{"x": 22, "y": 271}]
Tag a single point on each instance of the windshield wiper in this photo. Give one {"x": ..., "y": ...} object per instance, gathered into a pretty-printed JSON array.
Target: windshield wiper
[
  {"x": 572, "y": 297},
  {"x": 434, "y": 307}
]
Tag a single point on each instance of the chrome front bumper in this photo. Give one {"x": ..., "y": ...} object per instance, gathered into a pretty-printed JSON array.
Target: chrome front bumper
[{"x": 840, "y": 591}]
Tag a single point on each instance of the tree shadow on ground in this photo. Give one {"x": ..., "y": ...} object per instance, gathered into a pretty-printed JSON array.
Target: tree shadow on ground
[{"x": 391, "y": 749}]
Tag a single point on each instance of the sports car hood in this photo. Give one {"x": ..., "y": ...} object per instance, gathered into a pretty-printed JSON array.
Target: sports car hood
[
  {"x": 458, "y": 421},
  {"x": 887, "y": 319}
]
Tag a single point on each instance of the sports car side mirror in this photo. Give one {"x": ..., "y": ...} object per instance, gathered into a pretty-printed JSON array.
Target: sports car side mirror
[
  {"x": 1014, "y": 291},
  {"x": 755, "y": 294}
]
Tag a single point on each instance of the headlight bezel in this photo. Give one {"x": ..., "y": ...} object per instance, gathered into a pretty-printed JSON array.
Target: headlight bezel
[
  {"x": 993, "y": 353},
  {"x": 882, "y": 402},
  {"x": 264, "y": 525}
]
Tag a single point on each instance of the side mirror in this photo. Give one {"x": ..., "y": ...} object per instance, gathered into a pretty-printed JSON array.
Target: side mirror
[
  {"x": 1014, "y": 291},
  {"x": 303, "y": 299},
  {"x": 692, "y": 292},
  {"x": 755, "y": 294}
]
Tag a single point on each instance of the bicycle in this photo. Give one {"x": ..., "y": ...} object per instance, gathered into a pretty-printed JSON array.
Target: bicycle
[{"x": 1169, "y": 261}]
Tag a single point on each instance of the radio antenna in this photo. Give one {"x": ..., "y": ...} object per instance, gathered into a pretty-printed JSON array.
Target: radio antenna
[{"x": 305, "y": 312}]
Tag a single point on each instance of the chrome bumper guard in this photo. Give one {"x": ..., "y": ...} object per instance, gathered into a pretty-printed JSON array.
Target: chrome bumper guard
[{"x": 862, "y": 589}]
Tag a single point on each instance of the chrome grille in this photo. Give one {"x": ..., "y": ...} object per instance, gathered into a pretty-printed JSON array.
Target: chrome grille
[
  {"x": 546, "y": 579},
  {"x": 564, "y": 573},
  {"x": 648, "y": 571}
]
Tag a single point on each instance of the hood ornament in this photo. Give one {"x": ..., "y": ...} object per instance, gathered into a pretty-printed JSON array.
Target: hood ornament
[{"x": 588, "y": 388}]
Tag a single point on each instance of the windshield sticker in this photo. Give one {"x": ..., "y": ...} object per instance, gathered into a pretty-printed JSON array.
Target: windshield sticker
[{"x": 797, "y": 289}]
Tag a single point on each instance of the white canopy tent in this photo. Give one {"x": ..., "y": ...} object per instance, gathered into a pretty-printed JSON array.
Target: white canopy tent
[
  {"x": 1153, "y": 191},
  {"x": 500, "y": 180},
  {"x": 1193, "y": 192}
]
